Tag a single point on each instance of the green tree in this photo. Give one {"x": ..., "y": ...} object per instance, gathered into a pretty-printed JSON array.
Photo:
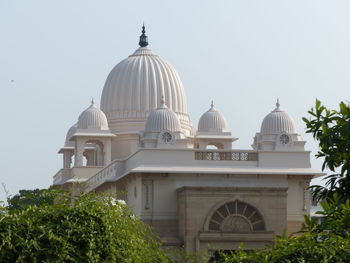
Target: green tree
[
  {"x": 331, "y": 128},
  {"x": 26, "y": 198},
  {"x": 92, "y": 228}
]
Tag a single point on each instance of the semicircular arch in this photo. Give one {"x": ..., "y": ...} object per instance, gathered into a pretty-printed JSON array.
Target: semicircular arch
[{"x": 235, "y": 216}]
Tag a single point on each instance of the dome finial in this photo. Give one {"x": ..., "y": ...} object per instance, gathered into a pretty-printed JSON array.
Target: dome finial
[
  {"x": 143, "y": 38},
  {"x": 162, "y": 103},
  {"x": 212, "y": 108},
  {"x": 92, "y": 101},
  {"x": 278, "y": 103}
]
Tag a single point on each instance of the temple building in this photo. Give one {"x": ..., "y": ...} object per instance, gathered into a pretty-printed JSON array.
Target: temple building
[{"x": 188, "y": 182}]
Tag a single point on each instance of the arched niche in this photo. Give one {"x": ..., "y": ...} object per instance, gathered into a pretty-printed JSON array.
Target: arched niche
[
  {"x": 214, "y": 146},
  {"x": 94, "y": 152},
  {"x": 235, "y": 217}
]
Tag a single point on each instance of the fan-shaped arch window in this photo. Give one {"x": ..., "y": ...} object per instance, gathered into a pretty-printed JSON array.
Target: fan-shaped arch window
[{"x": 236, "y": 216}]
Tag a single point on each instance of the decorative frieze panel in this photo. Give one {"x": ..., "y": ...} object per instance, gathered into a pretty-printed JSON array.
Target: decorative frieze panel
[{"x": 225, "y": 156}]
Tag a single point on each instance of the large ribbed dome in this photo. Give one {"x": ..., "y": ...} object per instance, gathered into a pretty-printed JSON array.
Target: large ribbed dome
[
  {"x": 135, "y": 86},
  {"x": 277, "y": 121},
  {"x": 162, "y": 119},
  {"x": 92, "y": 118},
  {"x": 212, "y": 121}
]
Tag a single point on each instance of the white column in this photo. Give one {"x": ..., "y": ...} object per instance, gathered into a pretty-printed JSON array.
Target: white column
[
  {"x": 66, "y": 155},
  {"x": 64, "y": 160},
  {"x": 99, "y": 154},
  {"x": 107, "y": 151},
  {"x": 67, "y": 158},
  {"x": 78, "y": 151}
]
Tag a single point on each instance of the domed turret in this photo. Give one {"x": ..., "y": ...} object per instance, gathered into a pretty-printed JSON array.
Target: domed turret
[
  {"x": 92, "y": 118},
  {"x": 163, "y": 130},
  {"x": 134, "y": 87},
  {"x": 212, "y": 121},
  {"x": 70, "y": 133},
  {"x": 91, "y": 138},
  {"x": 212, "y": 131},
  {"x": 162, "y": 119},
  {"x": 278, "y": 132},
  {"x": 277, "y": 121}
]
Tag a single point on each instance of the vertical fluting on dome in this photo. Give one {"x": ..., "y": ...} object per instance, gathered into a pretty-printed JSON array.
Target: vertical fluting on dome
[
  {"x": 162, "y": 118},
  {"x": 143, "y": 38},
  {"x": 278, "y": 132},
  {"x": 92, "y": 117},
  {"x": 277, "y": 121},
  {"x": 134, "y": 87},
  {"x": 212, "y": 120},
  {"x": 70, "y": 133}
]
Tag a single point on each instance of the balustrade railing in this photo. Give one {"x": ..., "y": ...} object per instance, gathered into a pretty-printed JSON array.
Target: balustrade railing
[
  {"x": 62, "y": 176},
  {"x": 113, "y": 169},
  {"x": 225, "y": 156}
]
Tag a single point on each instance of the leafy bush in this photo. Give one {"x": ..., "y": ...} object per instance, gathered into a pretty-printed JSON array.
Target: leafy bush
[
  {"x": 309, "y": 247},
  {"x": 93, "y": 228}
]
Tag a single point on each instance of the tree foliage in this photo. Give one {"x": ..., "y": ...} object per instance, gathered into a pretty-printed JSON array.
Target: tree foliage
[
  {"x": 93, "y": 228},
  {"x": 335, "y": 218},
  {"x": 26, "y": 198},
  {"x": 331, "y": 128}
]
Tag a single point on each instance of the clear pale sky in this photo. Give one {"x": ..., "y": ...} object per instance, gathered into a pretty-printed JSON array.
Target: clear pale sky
[{"x": 56, "y": 55}]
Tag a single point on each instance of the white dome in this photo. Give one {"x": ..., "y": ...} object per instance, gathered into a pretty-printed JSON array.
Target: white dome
[
  {"x": 212, "y": 121},
  {"x": 135, "y": 86},
  {"x": 162, "y": 119},
  {"x": 93, "y": 118},
  {"x": 70, "y": 133},
  {"x": 277, "y": 121}
]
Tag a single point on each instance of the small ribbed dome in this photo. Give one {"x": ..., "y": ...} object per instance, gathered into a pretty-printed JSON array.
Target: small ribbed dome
[
  {"x": 70, "y": 133},
  {"x": 162, "y": 119},
  {"x": 277, "y": 121},
  {"x": 93, "y": 118},
  {"x": 212, "y": 121}
]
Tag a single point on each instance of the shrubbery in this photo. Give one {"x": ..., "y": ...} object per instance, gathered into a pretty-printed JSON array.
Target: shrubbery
[{"x": 92, "y": 228}]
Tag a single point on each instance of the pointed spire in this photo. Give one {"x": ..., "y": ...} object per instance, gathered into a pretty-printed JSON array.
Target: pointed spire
[
  {"x": 278, "y": 104},
  {"x": 143, "y": 38},
  {"x": 212, "y": 108}
]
